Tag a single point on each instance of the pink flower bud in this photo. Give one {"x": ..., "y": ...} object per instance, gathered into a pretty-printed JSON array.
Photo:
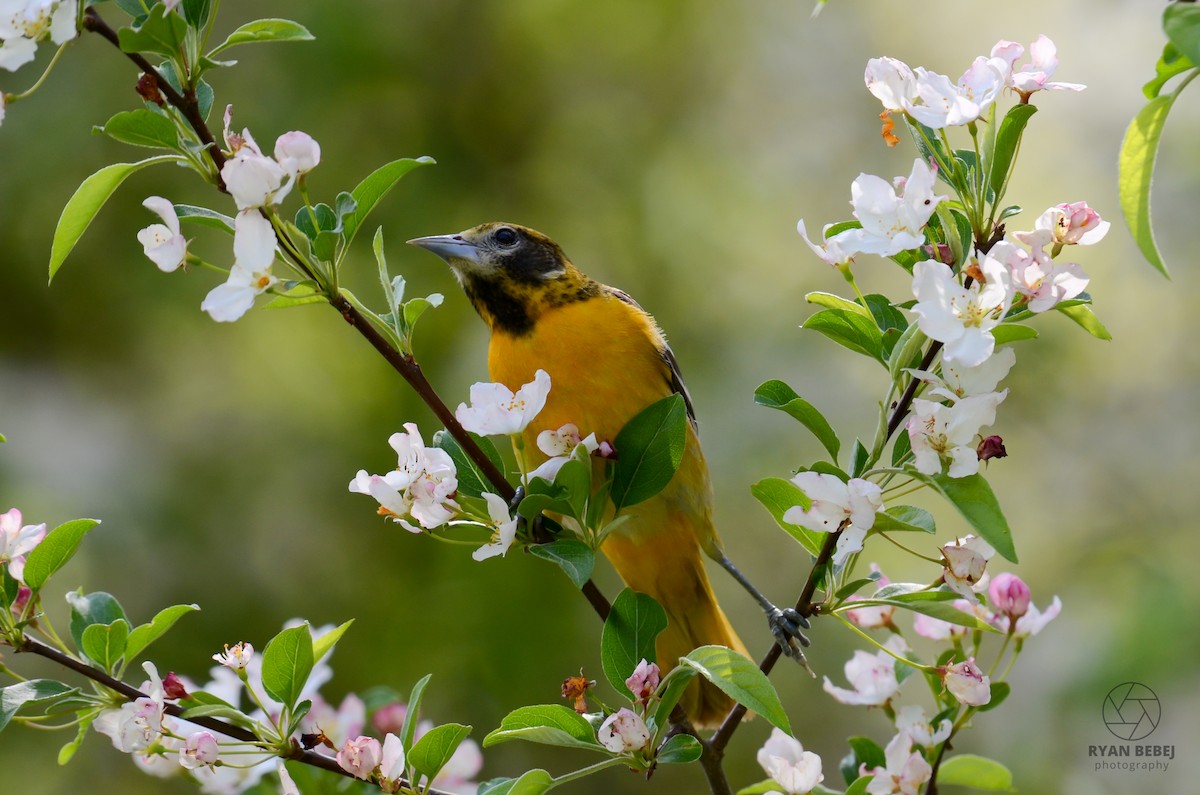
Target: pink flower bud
[
  {"x": 1009, "y": 594},
  {"x": 644, "y": 681},
  {"x": 389, "y": 719},
  {"x": 24, "y": 593},
  {"x": 606, "y": 450},
  {"x": 967, "y": 683},
  {"x": 624, "y": 731},
  {"x": 1078, "y": 224},
  {"x": 173, "y": 686},
  {"x": 939, "y": 252},
  {"x": 297, "y": 152},
  {"x": 359, "y": 757},
  {"x": 991, "y": 447},
  {"x": 200, "y": 751}
]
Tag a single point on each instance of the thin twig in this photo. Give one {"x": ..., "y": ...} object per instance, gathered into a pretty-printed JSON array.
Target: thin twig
[{"x": 298, "y": 754}]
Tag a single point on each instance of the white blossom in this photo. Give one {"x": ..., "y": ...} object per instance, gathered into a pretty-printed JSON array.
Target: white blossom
[{"x": 163, "y": 243}]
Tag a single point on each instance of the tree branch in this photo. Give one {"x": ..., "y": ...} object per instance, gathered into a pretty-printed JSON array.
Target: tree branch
[
  {"x": 298, "y": 754},
  {"x": 403, "y": 363}
]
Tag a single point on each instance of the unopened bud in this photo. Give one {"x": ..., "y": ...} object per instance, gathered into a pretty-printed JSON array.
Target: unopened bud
[
  {"x": 1009, "y": 594},
  {"x": 147, "y": 89},
  {"x": 173, "y": 686},
  {"x": 991, "y": 447},
  {"x": 939, "y": 252}
]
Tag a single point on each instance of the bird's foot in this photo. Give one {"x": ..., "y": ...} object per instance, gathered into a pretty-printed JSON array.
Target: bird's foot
[{"x": 785, "y": 627}]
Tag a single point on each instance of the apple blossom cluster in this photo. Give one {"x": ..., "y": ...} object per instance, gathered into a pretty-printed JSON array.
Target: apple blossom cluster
[
  {"x": 384, "y": 763},
  {"x": 258, "y": 184},
  {"x": 24, "y": 23}
]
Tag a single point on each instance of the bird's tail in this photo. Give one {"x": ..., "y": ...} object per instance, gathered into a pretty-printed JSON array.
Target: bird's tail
[{"x": 668, "y": 566}]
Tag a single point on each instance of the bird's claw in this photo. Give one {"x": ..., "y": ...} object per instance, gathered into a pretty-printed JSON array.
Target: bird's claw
[{"x": 785, "y": 627}]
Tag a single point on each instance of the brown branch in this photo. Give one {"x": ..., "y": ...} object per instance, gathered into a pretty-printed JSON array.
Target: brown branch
[
  {"x": 185, "y": 103},
  {"x": 298, "y": 754},
  {"x": 403, "y": 363}
]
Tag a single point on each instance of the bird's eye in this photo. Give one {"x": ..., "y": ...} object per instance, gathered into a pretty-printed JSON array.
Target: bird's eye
[{"x": 505, "y": 236}]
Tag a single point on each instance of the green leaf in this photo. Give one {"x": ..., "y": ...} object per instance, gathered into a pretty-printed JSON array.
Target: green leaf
[
  {"x": 831, "y": 301},
  {"x": 575, "y": 558},
  {"x": 1086, "y": 318},
  {"x": 13, "y": 697},
  {"x": 1135, "y": 167},
  {"x": 264, "y": 30},
  {"x": 1013, "y": 332},
  {"x": 371, "y": 190},
  {"x": 223, "y": 712},
  {"x": 1181, "y": 23},
  {"x": 969, "y": 770},
  {"x": 67, "y": 752},
  {"x": 56, "y": 549},
  {"x": 1171, "y": 63},
  {"x": 202, "y": 216},
  {"x": 162, "y": 32},
  {"x": 533, "y": 782},
  {"x": 850, "y": 330},
  {"x": 859, "y": 787},
  {"x": 143, "y": 636},
  {"x": 973, "y": 498},
  {"x": 471, "y": 480},
  {"x": 778, "y": 395},
  {"x": 324, "y": 644},
  {"x": 142, "y": 127},
  {"x": 930, "y": 146},
  {"x": 196, "y": 12},
  {"x": 87, "y": 200},
  {"x": 431, "y": 753},
  {"x": 286, "y": 663},
  {"x": 95, "y": 608},
  {"x": 777, "y": 496},
  {"x": 741, "y": 680},
  {"x": 907, "y": 351},
  {"x": 905, "y": 518},
  {"x": 679, "y": 750},
  {"x": 761, "y": 788},
  {"x": 885, "y": 315},
  {"x": 629, "y": 633},
  {"x": 1008, "y": 138},
  {"x": 547, "y": 724},
  {"x": 649, "y": 450},
  {"x": 301, "y": 293},
  {"x": 901, "y": 448},
  {"x": 104, "y": 644},
  {"x": 409, "y": 729},
  {"x": 999, "y": 692},
  {"x": 858, "y": 458},
  {"x": 941, "y": 610},
  {"x": 867, "y": 752}
]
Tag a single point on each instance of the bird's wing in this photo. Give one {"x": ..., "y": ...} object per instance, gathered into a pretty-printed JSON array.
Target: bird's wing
[{"x": 668, "y": 356}]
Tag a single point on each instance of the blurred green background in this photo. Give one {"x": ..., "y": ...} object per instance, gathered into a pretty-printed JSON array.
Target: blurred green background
[{"x": 669, "y": 147}]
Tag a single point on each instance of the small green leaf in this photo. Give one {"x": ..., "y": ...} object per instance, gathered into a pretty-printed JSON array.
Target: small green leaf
[
  {"x": 1008, "y": 138},
  {"x": 67, "y": 752},
  {"x": 548, "y": 724},
  {"x": 409, "y": 729},
  {"x": 371, "y": 190},
  {"x": 777, "y": 496},
  {"x": 867, "y": 752},
  {"x": 286, "y": 663},
  {"x": 1136, "y": 170},
  {"x": 533, "y": 782},
  {"x": 142, "y": 127},
  {"x": 906, "y": 353},
  {"x": 143, "y": 636},
  {"x": 190, "y": 213},
  {"x": 162, "y": 32},
  {"x": 431, "y": 753},
  {"x": 196, "y": 12},
  {"x": 301, "y": 293},
  {"x": 858, "y": 458},
  {"x": 471, "y": 480},
  {"x": 859, "y": 787},
  {"x": 87, "y": 200},
  {"x": 679, "y": 750},
  {"x": 56, "y": 549},
  {"x": 261, "y": 30},
  {"x": 95, "y": 608},
  {"x": 1013, "y": 332},
  {"x": 974, "y": 499},
  {"x": 324, "y": 644},
  {"x": 670, "y": 690},
  {"x": 104, "y": 644},
  {"x": 649, "y": 451},
  {"x": 575, "y": 558},
  {"x": 629, "y": 634},
  {"x": 850, "y": 330},
  {"x": 831, "y": 301},
  {"x": 999, "y": 692},
  {"x": 741, "y": 680},
  {"x": 885, "y": 315},
  {"x": 223, "y": 712},
  {"x": 13, "y": 697},
  {"x": 969, "y": 770},
  {"x": 905, "y": 518},
  {"x": 1171, "y": 63},
  {"x": 1086, "y": 318},
  {"x": 778, "y": 395},
  {"x": 761, "y": 788},
  {"x": 915, "y": 592}
]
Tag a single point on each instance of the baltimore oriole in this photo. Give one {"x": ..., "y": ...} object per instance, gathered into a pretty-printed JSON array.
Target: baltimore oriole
[{"x": 607, "y": 360}]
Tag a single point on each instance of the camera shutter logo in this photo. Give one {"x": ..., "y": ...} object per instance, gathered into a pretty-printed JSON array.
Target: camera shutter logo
[{"x": 1131, "y": 711}]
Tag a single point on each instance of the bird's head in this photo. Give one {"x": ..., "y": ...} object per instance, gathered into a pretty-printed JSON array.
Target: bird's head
[{"x": 510, "y": 273}]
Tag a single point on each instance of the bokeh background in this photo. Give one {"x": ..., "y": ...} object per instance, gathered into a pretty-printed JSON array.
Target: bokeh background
[{"x": 670, "y": 148}]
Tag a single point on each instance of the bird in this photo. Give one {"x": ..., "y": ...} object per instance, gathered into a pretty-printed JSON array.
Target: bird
[{"x": 607, "y": 360}]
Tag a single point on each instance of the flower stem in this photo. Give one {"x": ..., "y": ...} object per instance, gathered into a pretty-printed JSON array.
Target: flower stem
[{"x": 49, "y": 68}]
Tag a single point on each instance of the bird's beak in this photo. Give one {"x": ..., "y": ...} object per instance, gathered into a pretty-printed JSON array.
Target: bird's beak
[{"x": 448, "y": 247}]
